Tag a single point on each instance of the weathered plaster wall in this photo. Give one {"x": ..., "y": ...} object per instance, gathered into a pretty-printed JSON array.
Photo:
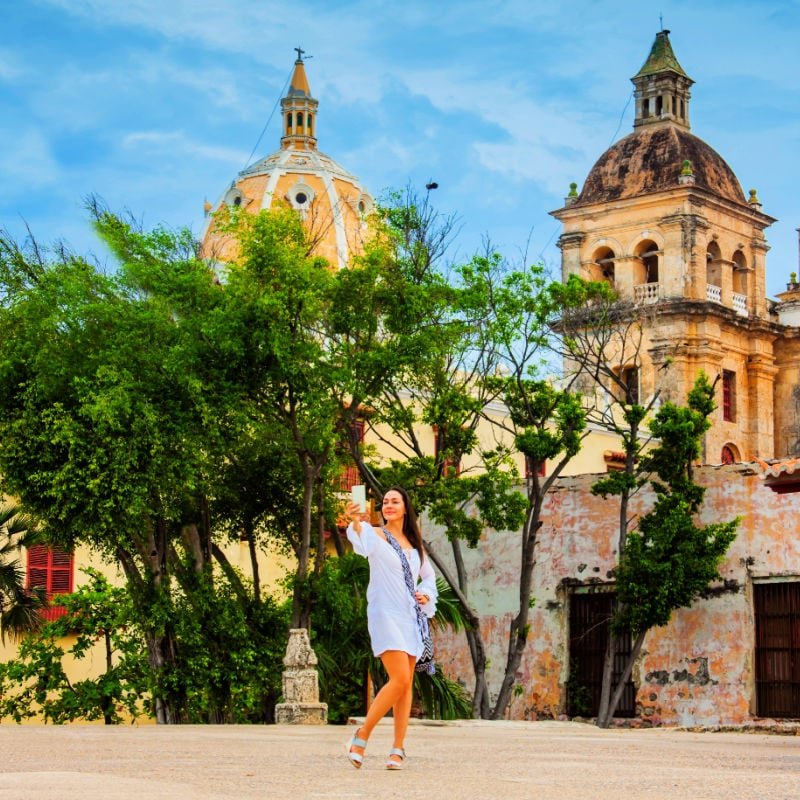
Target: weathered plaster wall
[{"x": 696, "y": 670}]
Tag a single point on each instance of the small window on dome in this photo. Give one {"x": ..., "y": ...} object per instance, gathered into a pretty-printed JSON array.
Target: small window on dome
[
  {"x": 361, "y": 207},
  {"x": 301, "y": 198},
  {"x": 237, "y": 201}
]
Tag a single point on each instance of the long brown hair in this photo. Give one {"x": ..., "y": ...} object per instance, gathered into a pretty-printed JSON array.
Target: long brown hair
[{"x": 410, "y": 525}]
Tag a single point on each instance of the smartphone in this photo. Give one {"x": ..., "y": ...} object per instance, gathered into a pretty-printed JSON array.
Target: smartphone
[{"x": 358, "y": 494}]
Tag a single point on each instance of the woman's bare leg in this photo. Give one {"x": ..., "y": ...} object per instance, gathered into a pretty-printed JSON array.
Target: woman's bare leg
[
  {"x": 400, "y": 669},
  {"x": 402, "y": 711}
]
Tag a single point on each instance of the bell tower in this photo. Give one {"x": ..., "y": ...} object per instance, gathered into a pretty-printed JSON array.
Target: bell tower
[
  {"x": 299, "y": 110},
  {"x": 662, "y": 87},
  {"x": 663, "y": 219}
]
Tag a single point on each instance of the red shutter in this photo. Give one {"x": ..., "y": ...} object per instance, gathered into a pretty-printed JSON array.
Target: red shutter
[
  {"x": 38, "y": 560},
  {"x": 728, "y": 396},
  {"x": 50, "y": 569}
]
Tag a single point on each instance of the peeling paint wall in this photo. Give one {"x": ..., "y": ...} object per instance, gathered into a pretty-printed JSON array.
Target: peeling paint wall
[{"x": 696, "y": 670}]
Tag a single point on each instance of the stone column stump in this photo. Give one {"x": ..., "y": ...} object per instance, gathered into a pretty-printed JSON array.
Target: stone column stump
[{"x": 300, "y": 704}]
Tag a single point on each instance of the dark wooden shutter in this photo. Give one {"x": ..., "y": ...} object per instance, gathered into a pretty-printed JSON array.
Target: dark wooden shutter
[
  {"x": 589, "y": 619},
  {"x": 777, "y": 619}
]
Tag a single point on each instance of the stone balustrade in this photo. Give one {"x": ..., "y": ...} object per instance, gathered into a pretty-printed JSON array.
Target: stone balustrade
[{"x": 647, "y": 293}]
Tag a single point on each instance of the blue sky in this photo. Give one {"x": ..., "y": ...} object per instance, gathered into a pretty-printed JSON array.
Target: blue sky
[{"x": 155, "y": 106}]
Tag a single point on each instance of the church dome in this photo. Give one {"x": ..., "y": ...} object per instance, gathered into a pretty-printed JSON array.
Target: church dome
[
  {"x": 332, "y": 202},
  {"x": 651, "y": 159}
]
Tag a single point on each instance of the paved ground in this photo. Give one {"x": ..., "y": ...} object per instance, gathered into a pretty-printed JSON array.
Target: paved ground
[{"x": 465, "y": 761}]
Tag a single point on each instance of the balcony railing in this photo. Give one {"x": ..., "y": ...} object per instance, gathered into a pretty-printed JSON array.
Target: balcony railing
[
  {"x": 740, "y": 304},
  {"x": 714, "y": 293},
  {"x": 646, "y": 293}
]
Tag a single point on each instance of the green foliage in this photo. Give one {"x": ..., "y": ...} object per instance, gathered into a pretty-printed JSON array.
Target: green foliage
[
  {"x": 441, "y": 697},
  {"x": 669, "y": 561},
  {"x": 340, "y": 637},
  {"x": 18, "y": 606},
  {"x": 231, "y": 651},
  {"x": 98, "y": 617}
]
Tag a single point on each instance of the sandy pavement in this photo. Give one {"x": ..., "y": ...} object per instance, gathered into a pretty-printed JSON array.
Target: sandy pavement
[{"x": 463, "y": 760}]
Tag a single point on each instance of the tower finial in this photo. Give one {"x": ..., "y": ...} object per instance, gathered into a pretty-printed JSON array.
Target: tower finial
[{"x": 300, "y": 52}]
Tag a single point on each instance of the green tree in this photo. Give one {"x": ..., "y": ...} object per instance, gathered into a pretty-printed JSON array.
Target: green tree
[
  {"x": 669, "y": 561},
  {"x": 601, "y": 339},
  {"x": 545, "y": 421},
  {"x": 122, "y": 394},
  {"x": 422, "y": 365}
]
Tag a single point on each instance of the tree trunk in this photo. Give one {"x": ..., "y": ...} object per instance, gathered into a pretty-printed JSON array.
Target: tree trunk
[
  {"x": 249, "y": 533},
  {"x": 623, "y": 679},
  {"x": 300, "y": 611},
  {"x": 518, "y": 633},
  {"x": 145, "y": 589},
  {"x": 605, "y": 712},
  {"x": 477, "y": 649},
  {"x": 608, "y": 675},
  {"x": 480, "y": 698},
  {"x": 107, "y": 701}
]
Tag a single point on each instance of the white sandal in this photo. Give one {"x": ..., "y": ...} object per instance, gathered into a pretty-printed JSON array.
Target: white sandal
[
  {"x": 356, "y": 759},
  {"x": 391, "y": 763}
]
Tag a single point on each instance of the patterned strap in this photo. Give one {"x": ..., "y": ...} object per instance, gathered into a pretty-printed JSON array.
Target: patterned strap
[{"x": 422, "y": 620}]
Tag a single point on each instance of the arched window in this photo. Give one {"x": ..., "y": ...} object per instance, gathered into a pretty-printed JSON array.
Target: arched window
[
  {"x": 647, "y": 252},
  {"x": 729, "y": 455},
  {"x": 289, "y": 123},
  {"x": 659, "y": 105},
  {"x": 739, "y": 273},
  {"x": 602, "y": 266},
  {"x": 713, "y": 272},
  {"x": 299, "y": 120},
  {"x": 310, "y": 126}
]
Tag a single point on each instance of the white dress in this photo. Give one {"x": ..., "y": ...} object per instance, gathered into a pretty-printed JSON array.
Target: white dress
[{"x": 391, "y": 618}]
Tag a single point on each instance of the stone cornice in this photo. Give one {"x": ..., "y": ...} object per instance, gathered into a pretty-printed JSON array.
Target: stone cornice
[
  {"x": 695, "y": 308},
  {"x": 695, "y": 195}
]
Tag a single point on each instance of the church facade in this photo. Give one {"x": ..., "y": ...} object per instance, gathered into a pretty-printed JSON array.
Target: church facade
[{"x": 662, "y": 219}]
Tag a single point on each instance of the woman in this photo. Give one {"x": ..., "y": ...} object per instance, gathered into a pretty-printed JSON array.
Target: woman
[{"x": 392, "y": 612}]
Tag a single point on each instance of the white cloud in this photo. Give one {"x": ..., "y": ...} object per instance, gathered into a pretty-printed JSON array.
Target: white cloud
[{"x": 177, "y": 144}]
